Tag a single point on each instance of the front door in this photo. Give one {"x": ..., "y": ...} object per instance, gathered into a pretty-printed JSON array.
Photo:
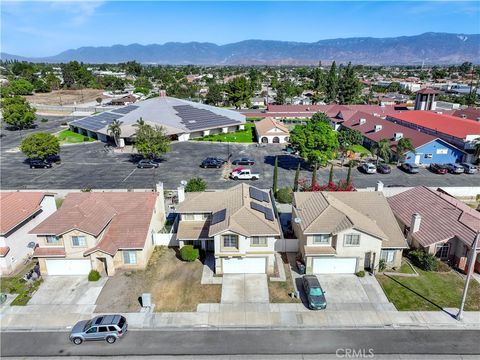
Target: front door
[
  {"x": 368, "y": 259},
  {"x": 417, "y": 159}
]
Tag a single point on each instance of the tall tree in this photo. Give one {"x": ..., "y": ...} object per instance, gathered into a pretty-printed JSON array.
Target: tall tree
[
  {"x": 239, "y": 92},
  {"x": 350, "y": 87},
  {"x": 295, "y": 180},
  {"x": 40, "y": 145},
  {"x": 17, "y": 112},
  {"x": 331, "y": 84},
  {"x": 381, "y": 149},
  {"x": 275, "y": 175},
  {"x": 348, "y": 137},
  {"x": 151, "y": 142},
  {"x": 404, "y": 145},
  {"x": 214, "y": 95},
  {"x": 115, "y": 129}
]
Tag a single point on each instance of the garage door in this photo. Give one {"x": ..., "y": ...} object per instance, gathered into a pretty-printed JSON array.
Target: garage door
[
  {"x": 244, "y": 266},
  {"x": 68, "y": 267},
  {"x": 334, "y": 265}
]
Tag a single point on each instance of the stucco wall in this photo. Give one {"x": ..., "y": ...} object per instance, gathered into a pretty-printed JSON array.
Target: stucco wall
[{"x": 436, "y": 149}]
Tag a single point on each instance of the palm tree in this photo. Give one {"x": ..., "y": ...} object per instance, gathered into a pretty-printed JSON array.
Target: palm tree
[
  {"x": 404, "y": 145},
  {"x": 382, "y": 149},
  {"x": 140, "y": 123},
  {"x": 115, "y": 130}
]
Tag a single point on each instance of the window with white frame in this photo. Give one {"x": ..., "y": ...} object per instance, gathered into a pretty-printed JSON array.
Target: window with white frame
[
  {"x": 188, "y": 217},
  {"x": 321, "y": 239},
  {"x": 130, "y": 257},
  {"x": 387, "y": 255},
  {"x": 259, "y": 241},
  {"x": 352, "y": 239},
  {"x": 52, "y": 239},
  {"x": 79, "y": 241},
  {"x": 230, "y": 241},
  {"x": 442, "y": 250}
]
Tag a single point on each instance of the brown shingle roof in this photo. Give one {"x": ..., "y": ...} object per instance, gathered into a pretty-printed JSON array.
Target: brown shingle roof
[
  {"x": 193, "y": 230},
  {"x": 16, "y": 207},
  {"x": 48, "y": 251},
  {"x": 443, "y": 217},
  {"x": 4, "y": 251},
  {"x": 265, "y": 127}
]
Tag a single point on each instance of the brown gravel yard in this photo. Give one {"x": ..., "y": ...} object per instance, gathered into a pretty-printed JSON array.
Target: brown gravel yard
[
  {"x": 66, "y": 97},
  {"x": 174, "y": 285}
]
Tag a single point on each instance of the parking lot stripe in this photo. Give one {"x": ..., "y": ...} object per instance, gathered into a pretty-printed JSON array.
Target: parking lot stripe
[{"x": 129, "y": 175}]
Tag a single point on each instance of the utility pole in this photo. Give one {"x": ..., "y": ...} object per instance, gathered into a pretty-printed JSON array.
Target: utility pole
[{"x": 471, "y": 264}]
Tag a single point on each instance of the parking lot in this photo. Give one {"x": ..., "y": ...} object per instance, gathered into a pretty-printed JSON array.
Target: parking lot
[{"x": 90, "y": 166}]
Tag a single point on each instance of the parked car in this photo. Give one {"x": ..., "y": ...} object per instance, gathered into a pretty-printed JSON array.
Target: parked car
[
  {"x": 104, "y": 327},
  {"x": 410, "y": 168},
  {"x": 438, "y": 168},
  {"x": 369, "y": 168},
  {"x": 455, "y": 168},
  {"x": 245, "y": 174},
  {"x": 383, "y": 168},
  {"x": 243, "y": 161},
  {"x": 39, "y": 164},
  {"x": 147, "y": 164},
  {"x": 212, "y": 163},
  {"x": 238, "y": 169},
  {"x": 469, "y": 168},
  {"x": 315, "y": 294}
]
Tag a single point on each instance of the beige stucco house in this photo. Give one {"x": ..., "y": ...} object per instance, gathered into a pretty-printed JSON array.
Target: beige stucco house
[
  {"x": 238, "y": 225},
  {"x": 270, "y": 131},
  {"x": 345, "y": 232},
  {"x": 104, "y": 231}
]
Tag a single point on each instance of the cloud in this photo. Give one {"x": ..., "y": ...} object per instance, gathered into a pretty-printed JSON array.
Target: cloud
[{"x": 80, "y": 11}]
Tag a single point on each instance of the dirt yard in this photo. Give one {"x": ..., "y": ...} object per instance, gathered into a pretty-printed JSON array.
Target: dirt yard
[
  {"x": 66, "y": 97},
  {"x": 173, "y": 283},
  {"x": 280, "y": 290}
]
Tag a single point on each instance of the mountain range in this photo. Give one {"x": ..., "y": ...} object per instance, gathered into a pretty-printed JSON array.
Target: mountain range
[{"x": 427, "y": 48}]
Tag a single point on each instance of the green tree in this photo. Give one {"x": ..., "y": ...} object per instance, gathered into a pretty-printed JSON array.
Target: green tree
[
  {"x": 42, "y": 86},
  {"x": 115, "y": 129},
  {"x": 151, "y": 142},
  {"x": 382, "y": 150},
  {"x": 314, "y": 175},
  {"x": 331, "y": 84},
  {"x": 295, "y": 180},
  {"x": 404, "y": 145},
  {"x": 76, "y": 75},
  {"x": 140, "y": 123},
  {"x": 196, "y": 184},
  {"x": 17, "y": 112},
  {"x": 143, "y": 82},
  {"x": 348, "y": 137},
  {"x": 275, "y": 175},
  {"x": 350, "y": 87},
  {"x": 214, "y": 95},
  {"x": 239, "y": 92},
  {"x": 20, "y": 87},
  {"x": 40, "y": 145}
]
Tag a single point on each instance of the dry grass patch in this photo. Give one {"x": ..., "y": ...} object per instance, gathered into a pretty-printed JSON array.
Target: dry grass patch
[
  {"x": 279, "y": 290},
  {"x": 66, "y": 97}
]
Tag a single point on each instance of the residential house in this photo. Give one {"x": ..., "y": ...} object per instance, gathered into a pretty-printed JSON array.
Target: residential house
[
  {"x": 19, "y": 213},
  {"x": 345, "y": 232},
  {"x": 438, "y": 223},
  {"x": 270, "y": 131},
  {"x": 104, "y": 231},
  {"x": 239, "y": 225}
]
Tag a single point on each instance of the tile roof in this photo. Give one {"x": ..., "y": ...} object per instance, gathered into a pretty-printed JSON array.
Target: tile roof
[
  {"x": 427, "y": 91},
  {"x": 319, "y": 250},
  {"x": 193, "y": 230},
  {"x": 16, "y": 207},
  {"x": 125, "y": 216},
  {"x": 443, "y": 217},
  {"x": 49, "y": 251},
  {"x": 332, "y": 212},
  {"x": 4, "y": 251},
  {"x": 468, "y": 113},
  {"x": 265, "y": 127}
]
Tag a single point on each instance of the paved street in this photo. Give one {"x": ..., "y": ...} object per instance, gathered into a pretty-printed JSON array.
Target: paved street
[{"x": 226, "y": 342}]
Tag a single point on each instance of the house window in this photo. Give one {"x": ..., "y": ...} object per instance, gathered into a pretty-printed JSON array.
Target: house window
[
  {"x": 428, "y": 156},
  {"x": 322, "y": 239},
  {"x": 188, "y": 216},
  {"x": 52, "y": 239},
  {"x": 230, "y": 241},
  {"x": 79, "y": 241},
  {"x": 129, "y": 257},
  {"x": 259, "y": 241},
  {"x": 442, "y": 250},
  {"x": 387, "y": 255},
  {"x": 352, "y": 240}
]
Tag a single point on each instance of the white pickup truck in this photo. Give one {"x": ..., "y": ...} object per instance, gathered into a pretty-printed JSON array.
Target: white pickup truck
[{"x": 244, "y": 174}]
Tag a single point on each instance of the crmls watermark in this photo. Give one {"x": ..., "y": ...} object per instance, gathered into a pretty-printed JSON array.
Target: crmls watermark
[{"x": 355, "y": 353}]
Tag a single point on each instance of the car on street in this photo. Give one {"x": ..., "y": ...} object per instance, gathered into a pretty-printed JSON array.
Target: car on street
[
  {"x": 455, "y": 168},
  {"x": 108, "y": 328},
  {"x": 383, "y": 168},
  {"x": 212, "y": 162},
  {"x": 369, "y": 168},
  {"x": 469, "y": 168},
  {"x": 147, "y": 164},
  {"x": 39, "y": 164},
  {"x": 315, "y": 294},
  {"x": 410, "y": 168},
  {"x": 243, "y": 161},
  {"x": 245, "y": 174},
  {"x": 438, "y": 168}
]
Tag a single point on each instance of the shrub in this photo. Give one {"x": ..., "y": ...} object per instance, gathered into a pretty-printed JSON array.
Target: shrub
[
  {"x": 189, "y": 253},
  {"x": 44, "y": 120},
  {"x": 360, "y": 273},
  {"x": 93, "y": 275},
  {"x": 284, "y": 195},
  {"x": 196, "y": 184},
  {"x": 423, "y": 260},
  {"x": 86, "y": 138},
  {"x": 382, "y": 265}
]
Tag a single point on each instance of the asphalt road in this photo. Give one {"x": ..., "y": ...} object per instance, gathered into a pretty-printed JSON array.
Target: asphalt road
[{"x": 223, "y": 342}]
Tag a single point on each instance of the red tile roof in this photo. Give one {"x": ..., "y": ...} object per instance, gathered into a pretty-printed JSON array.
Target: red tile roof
[
  {"x": 16, "y": 207},
  {"x": 443, "y": 217},
  {"x": 427, "y": 91},
  {"x": 468, "y": 113},
  {"x": 4, "y": 251},
  {"x": 49, "y": 252},
  {"x": 445, "y": 124}
]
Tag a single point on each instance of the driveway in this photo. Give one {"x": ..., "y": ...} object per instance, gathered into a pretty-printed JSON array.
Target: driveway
[{"x": 244, "y": 288}]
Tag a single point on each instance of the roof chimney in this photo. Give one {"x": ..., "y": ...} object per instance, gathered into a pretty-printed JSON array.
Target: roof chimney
[
  {"x": 414, "y": 225},
  {"x": 181, "y": 194},
  {"x": 377, "y": 128},
  {"x": 162, "y": 93}
]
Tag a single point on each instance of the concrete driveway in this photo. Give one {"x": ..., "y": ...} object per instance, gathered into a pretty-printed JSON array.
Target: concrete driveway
[{"x": 244, "y": 288}]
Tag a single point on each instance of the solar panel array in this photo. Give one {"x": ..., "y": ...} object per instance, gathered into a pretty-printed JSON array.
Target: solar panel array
[
  {"x": 218, "y": 216},
  {"x": 96, "y": 122},
  {"x": 259, "y": 195},
  {"x": 267, "y": 212},
  {"x": 126, "y": 109},
  {"x": 194, "y": 118}
]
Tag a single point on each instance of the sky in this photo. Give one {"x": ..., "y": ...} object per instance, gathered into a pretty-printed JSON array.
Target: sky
[{"x": 44, "y": 28}]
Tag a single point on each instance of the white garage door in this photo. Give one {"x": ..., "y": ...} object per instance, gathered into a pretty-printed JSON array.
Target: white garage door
[
  {"x": 244, "y": 266},
  {"x": 334, "y": 265},
  {"x": 68, "y": 267}
]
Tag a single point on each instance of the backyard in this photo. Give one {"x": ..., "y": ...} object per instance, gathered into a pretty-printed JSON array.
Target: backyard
[
  {"x": 242, "y": 136},
  {"x": 173, "y": 283},
  {"x": 70, "y": 137}
]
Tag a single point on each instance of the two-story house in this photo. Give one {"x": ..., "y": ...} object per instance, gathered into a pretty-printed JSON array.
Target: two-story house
[
  {"x": 345, "y": 232},
  {"x": 239, "y": 225},
  {"x": 20, "y": 212},
  {"x": 104, "y": 231}
]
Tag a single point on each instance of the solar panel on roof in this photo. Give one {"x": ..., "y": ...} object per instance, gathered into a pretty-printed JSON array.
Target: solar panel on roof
[
  {"x": 218, "y": 216},
  {"x": 267, "y": 212},
  {"x": 126, "y": 109},
  {"x": 259, "y": 195},
  {"x": 256, "y": 206},
  {"x": 194, "y": 118}
]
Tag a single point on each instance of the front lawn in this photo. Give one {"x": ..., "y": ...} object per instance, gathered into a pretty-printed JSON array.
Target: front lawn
[
  {"x": 70, "y": 137},
  {"x": 280, "y": 291},
  {"x": 16, "y": 285},
  {"x": 242, "y": 136},
  {"x": 359, "y": 149},
  {"x": 173, "y": 283},
  {"x": 429, "y": 291}
]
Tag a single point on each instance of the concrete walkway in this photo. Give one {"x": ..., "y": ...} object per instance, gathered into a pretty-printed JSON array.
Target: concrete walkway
[{"x": 208, "y": 273}]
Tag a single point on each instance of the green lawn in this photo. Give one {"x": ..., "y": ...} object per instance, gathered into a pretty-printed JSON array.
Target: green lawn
[
  {"x": 359, "y": 149},
  {"x": 70, "y": 137},
  {"x": 16, "y": 285},
  {"x": 242, "y": 136},
  {"x": 429, "y": 291},
  {"x": 405, "y": 269}
]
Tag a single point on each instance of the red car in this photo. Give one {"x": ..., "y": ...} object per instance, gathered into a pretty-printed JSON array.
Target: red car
[
  {"x": 438, "y": 168},
  {"x": 237, "y": 169}
]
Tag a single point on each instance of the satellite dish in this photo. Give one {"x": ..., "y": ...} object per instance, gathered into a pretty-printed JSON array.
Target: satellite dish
[
  {"x": 183, "y": 182},
  {"x": 32, "y": 245},
  {"x": 297, "y": 220}
]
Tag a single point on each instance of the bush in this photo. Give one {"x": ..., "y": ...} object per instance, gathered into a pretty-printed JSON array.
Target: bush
[
  {"x": 360, "y": 273},
  {"x": 93, "y": 275},
  {"x": 382, "y": 265},
  {"x": 284, "y": 195},
  {"x": 44, "y": 120},
  {"x": 196, "y": 184},
  {"x": 189, "y": 253},
  {"x": 423, "y": 260},
  {"x": 86, "y": 138}
]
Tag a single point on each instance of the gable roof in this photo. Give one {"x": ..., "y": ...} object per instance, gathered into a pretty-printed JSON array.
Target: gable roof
[
  {"x": 471, "y": 113},
  {"x": 333, "y": 212},
  {"x": 239, "y": 216},
  {"x": 443, "y": 216},
  {"x": 16, "y": 207},
  {"x": 265, "y": 126}
]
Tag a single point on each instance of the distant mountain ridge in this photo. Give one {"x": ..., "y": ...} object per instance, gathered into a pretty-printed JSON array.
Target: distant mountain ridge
[{"x": 428, "y": 48}]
